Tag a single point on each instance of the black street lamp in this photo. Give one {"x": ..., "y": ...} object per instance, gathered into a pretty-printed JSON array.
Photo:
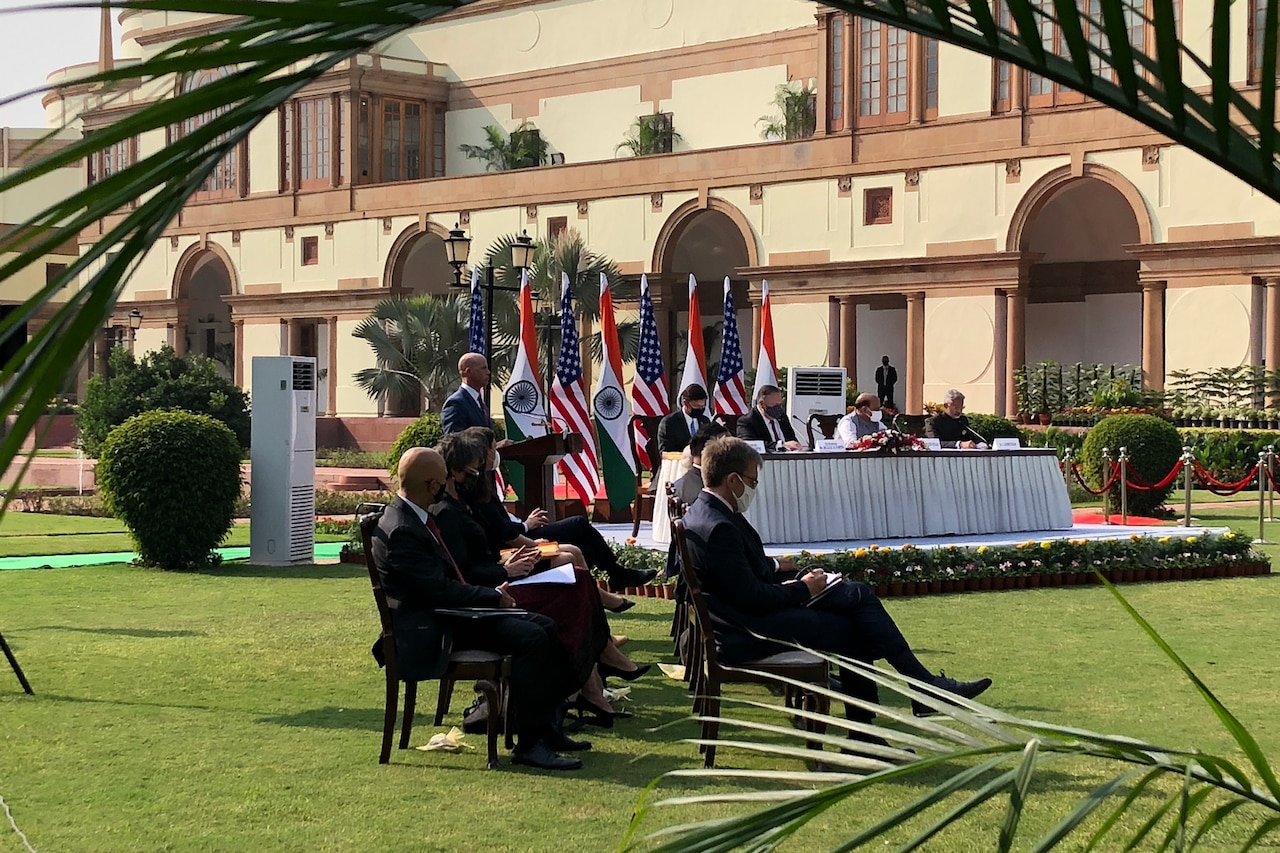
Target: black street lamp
[
  {"x": 457, "y": 248},
  {"x": 135, "y": 323}
]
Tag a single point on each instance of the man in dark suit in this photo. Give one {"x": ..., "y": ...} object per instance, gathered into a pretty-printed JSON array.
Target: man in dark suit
[
  {"x": 950, "y": 426},
  {"x": 466, "y": 407},
  {"x": 688, "y": 486},
  {"x": 886, "y": 378},
  {"x": 768, "y": 422},
  {"x": 420, "y": 577},
  {"x": 675, "y": 430},
  {"x": 746, "y": 596}
]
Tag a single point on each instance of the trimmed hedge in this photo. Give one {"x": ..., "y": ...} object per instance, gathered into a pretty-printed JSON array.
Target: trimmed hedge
[
  {"x": 426, "y": 431},
  {"x": 992, "y": 427},
  {"x": 174, "y": 479},
  {"x": 1154, "y": 448}
]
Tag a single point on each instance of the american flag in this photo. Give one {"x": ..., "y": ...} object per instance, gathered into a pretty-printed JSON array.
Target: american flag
[
  {"x": 649, "y": 390},
  {"x": 570, "y": 411},
  {"x": 731, "y": 392},
  {"x": 477, "y": 316}
]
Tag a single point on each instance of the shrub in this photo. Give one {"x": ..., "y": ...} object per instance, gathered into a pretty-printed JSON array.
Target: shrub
[
  {"x": 424, "y": 432},
  {"x": 1057, "y": 438},
  {"x": 341, "y": 457},
  {"x": 1228, "y": 453},
  {"x": 1154, "y": 448},
  {"x": 173, "y": 478},
  {"x": 992, "y": 427},
  {"x": 345, "y": 503},
  {"x": 161, "y": 380}
]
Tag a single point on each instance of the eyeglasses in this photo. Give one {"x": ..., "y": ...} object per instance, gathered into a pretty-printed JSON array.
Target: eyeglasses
[{"x": 754, "y": 481}]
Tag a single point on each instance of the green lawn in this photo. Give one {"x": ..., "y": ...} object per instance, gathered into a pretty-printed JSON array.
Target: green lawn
[
  {"x": 240, "y": 710},
  {"x": 27, "y": 534}
]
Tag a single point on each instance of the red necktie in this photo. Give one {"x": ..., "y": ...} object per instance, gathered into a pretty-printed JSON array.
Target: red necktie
[
  {"x": 435, "y": 531},
  {"x": 776, "y": 436}
]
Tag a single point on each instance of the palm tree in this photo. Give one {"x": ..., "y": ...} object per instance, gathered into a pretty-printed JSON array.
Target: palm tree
[
  {"x": 652, "y": 134},
  {"x": 799, "y": 117},
  {"x": 523, "y": 148},
  {"x": 416, "y": 343}
]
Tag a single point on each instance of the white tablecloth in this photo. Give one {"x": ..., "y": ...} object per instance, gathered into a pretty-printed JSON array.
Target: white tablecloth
[
  {"x": 668, "y": 472},
  {"x": 820, "y": 497}
]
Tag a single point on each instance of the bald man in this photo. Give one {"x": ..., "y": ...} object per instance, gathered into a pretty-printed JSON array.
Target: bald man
[
  {"x": 466, "y": 406},
  {"x": 864, "y": 420},
  {"x": 420, "y": 577}
]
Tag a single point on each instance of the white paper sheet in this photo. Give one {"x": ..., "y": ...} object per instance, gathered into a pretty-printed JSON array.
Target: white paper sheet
[{"x": 560, "y": 574}]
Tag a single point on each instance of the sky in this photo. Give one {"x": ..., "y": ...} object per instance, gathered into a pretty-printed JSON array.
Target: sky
[{"x": 32, "y": 44}]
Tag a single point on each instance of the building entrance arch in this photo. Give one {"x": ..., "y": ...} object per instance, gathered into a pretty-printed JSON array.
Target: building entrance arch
[{"x": 205, "y": 277}]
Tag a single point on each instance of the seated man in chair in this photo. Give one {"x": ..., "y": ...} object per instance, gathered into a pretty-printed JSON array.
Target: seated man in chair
[
  {"x": 746, "y": 594},
  {"x": 420, "y": 577}
]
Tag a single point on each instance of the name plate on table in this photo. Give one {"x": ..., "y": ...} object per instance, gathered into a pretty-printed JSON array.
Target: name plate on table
[
  {"x": 757, "y": 446},
  {"x": 829, "y": 445},
  {"x": 932, "y": 443},
  {"x": 1006, "y": 444}
]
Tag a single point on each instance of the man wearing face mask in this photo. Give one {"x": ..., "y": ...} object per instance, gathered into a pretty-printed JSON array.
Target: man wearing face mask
[
  {"x": 748, "y": 599},
  {"x": 675, "y": 430},
  {"x": 768, "y": 422},
  {"x": 864, "y": 420}
]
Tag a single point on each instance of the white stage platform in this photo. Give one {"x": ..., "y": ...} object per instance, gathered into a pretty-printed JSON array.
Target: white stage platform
[{"x": 622, "y": 532}]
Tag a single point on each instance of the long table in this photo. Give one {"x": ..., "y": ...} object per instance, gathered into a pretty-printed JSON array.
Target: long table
[{"x": 831, "y": 497}]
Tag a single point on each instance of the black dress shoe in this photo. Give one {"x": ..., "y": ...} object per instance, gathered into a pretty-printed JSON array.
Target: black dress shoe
[
  {"x": 967, "y": 689},
  {"x": 622, "y": 606},
  {"x": 623, "y": 578},
  {"x": 607, "y": 671},
  {"x": 560, "y": 743},
  {"x": 541, "y": 756}
]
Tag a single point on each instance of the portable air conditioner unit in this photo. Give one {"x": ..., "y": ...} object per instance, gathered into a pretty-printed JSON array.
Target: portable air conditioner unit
[
  {"x": 814, "y": 390},
  {"x": 282, "y": 529}
]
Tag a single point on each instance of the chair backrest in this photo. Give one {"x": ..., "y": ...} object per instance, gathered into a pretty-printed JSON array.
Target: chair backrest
[
  {"x": 675, "y": 506},
  {"x": 690, "y": 574},
  {"x": 368, "y": 524},
  {"x": 912, "y": 424},
  {"x": 826, "y": 423},
  {"x": 648, "y": 426},
  {"x": 730, "y": 422}
]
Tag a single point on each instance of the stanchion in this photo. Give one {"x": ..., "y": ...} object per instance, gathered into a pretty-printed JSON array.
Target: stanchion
[
  {"x": 1066, "y": 468},
  {"x": 1271, "y": 482},
  {"x": 1106, "y": 474},
  {"x": 1124, "y": 485},
  {"x": 1262, "y": 500},
  {"x": 1187, "y": 460}
]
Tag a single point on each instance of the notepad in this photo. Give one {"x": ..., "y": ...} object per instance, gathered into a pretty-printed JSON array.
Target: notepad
[
  {"x": 546, "y": 550},
  {"x": 832, "y": 582},
  {"x": 560, "y": 574}
]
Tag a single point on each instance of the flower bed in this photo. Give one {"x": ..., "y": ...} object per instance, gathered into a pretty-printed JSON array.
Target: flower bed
[{"x": 1055, "y": 562}]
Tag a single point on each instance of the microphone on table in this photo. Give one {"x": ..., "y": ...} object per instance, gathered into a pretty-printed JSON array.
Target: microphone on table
[{"x": 979, "y": 435}]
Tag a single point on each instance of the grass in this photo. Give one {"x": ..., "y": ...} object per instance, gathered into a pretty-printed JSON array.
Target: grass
[
  {"x": 28, "y": 534},
  {"x": 240, "y": 710}
]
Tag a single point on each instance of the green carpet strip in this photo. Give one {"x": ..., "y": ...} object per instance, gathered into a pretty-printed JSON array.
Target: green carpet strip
[{"x": 324, "y": 551}]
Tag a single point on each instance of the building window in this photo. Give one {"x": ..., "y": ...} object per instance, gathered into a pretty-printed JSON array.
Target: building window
[
  {"x": 286, "y": 147},
  {"x": 1041, "y": 91},
  {"x": 556, "y": 225},
  {"x": 310, "y": 251},
  {"x": 363, "y": 144},
  {"x": 882, "y": 74},
  {"x": 401, "y": 140},
  {"x": 877, "y": 206},
  {"x": 930, "y": 78},
  {"x": 343, "y": 131},
  {"x": 114, "y": 158},
  {"x": 837, "y": 32},
  {"x": 1257, "y": 25},
  {"x": 228, "y": 178},
  {"x": 51, "y": 273},
  {"x": 437, "y": 141},
  {"x": 314, "y": 138}
]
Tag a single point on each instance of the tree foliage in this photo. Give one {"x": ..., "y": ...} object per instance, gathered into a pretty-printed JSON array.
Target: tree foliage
[
  {"x": 426, "y": 431},
  {"x": 523, "y": 148},
  {"x": 159, "y": 380},
  {"x": 1154, "y": 448},
  {"x": 798, "y": 117},
  {"x": 173, "y": 478},
  {"x": 651, "y": 134}
]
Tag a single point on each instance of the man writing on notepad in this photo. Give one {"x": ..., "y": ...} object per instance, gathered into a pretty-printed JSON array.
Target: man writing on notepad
[{"x": 747, "y": 596}]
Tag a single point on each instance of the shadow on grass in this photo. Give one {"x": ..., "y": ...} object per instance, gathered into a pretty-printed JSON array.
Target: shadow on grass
[
  {"x": 141, "y": 633},
  {"x": 307, "y": 571},
  {"x": 333, "y": 717}
]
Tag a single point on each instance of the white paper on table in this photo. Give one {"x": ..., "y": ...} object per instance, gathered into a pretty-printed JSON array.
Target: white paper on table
[{"x": 560, "y": 574}]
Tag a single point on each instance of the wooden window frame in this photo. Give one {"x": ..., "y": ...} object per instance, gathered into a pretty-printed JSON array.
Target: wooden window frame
[
  {"x": 1257, "y": 14},
  {"x": 403, "y": 148},
  {"x": 314, "y": 123},
  {"x": 556, "y": 225},
  {"x": 1057, "y": 94},
  {"x": 287, "y": 148},
  {"x": 364, "y": 168},
  {"x": 877, "y": 206},
  {"x": 838, "y": 78},
  {"x": 883, "y": 118},
  {"x": 96, "y": 163},
  {"x": 237, "y": 162},
  {"x": 309, "y": 253},
  {"x": 930, "y": 81}
]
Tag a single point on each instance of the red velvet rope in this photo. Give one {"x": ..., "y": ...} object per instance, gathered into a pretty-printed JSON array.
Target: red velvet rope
[
  {"x": 1213, "y": 484},
  {"x": 1135, "y": 482},
  {"x": 1115, "y": 476},
  {"x": 1272, "y": 479}
]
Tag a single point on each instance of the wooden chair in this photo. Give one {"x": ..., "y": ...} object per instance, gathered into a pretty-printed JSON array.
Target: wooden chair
[
  {"x": 711, "y": 675},
  {"x": 826, "y": 423},
  {"x": 489, "y": 670},
  {"x": 649, "y": 425},
  {"x": 729, "y": 422},
  {"x": 910, "y": 424}
]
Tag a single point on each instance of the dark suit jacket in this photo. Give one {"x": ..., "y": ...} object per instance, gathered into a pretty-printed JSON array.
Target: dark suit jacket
[
  {"x": 470, "y": 543},
  {"x": 948, "y": 429},
  {"x": 738, "y": 578},
  {"x": 462, "y": 411},
  {"x": 418, "y": 578},
  {"x": 754, "y": 427},
  {"x": 673, "y": 431},
  {"x": 886, "y": 377},
  {"x": 688, "y": 486}
]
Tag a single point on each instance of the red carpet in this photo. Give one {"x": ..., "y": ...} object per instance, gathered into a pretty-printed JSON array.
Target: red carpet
[{"x": 1089, "y": 516}]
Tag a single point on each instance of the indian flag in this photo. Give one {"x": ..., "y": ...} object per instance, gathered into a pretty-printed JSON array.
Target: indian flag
[
  {"x": 767, "y": 360},
  {"x": 613, "y": 411},
  {"x": 522, "y": 402},
  {"x": 695, "y": 359}
]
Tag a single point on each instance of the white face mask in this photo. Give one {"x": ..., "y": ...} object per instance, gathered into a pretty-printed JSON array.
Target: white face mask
[
  {"x": 877, "y": 416},
  {"x": 747, "y": 496}
]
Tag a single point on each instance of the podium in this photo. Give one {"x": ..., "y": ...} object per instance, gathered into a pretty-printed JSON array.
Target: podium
[{"x": 538, "y": 456}]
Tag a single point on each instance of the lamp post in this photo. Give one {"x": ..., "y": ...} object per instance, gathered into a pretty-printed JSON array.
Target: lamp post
[
  {"x": 457, "y": 248},
  {"x": 135, "y": 323}
]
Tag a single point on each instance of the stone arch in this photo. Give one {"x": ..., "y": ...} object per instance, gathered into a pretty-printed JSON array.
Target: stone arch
[
  {"x": 684, "y": 215},
  {"x": 407, "y": 249},
  {"x": 1044, "y": 190},
  {"x": 193, "y": 259},
  {"x": 203, "y": 278}
]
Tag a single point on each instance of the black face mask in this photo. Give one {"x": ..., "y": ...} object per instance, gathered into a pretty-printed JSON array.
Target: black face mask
[
  {"x": 472, "y": 488},
  {"x": 697, "y": 411},
  {"x": 775, "y": 412}
]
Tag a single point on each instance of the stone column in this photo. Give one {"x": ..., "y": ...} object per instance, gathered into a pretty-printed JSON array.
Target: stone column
[
  {"x": 1015, "y": 345},
  {"x": 332, "y": 365},
  {"x": 180, "y": 330},
  {"x": 835, "y": 332},
  {"x": 1017, "y": 85},
  {"x": 1271, "y": 333},
  {"x": 849, "y": 337},
  {"x": 239, "y": 354},
  {"x": 286, "y": 337},
  {"x": 1153, "y": 334},
  {"x": 915, "y": 353},
  {"x": 915, "y": 61}
]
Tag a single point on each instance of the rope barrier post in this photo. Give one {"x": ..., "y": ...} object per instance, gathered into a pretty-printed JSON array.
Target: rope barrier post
[
  {"x": 1271, "y": 482},
  {"x": 1106, "y": 467},
  {"x": 1124, "y": 485},
  {"x": 1186, "y": 485},
  {"x": 1262, "y": 500},
  {"x": 1066, "y": 468}
]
